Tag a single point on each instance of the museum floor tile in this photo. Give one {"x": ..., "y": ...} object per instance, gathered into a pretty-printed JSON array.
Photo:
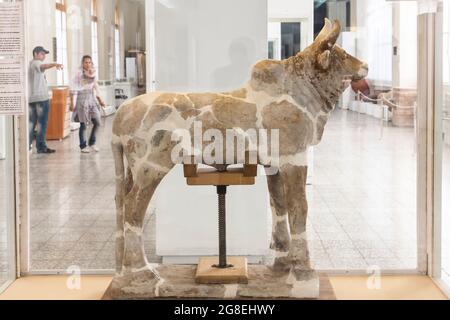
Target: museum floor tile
[
  {"x": 345, "y": 287},
  {"x": 362, "y": 201},
  {"x": 362, "y": 198}
]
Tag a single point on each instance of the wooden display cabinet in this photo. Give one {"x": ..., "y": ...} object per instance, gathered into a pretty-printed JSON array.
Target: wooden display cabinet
[{"x": 59, "y": 116}]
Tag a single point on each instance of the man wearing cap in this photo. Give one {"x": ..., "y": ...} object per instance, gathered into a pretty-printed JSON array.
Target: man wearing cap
[{"x": 39, "y": 98}]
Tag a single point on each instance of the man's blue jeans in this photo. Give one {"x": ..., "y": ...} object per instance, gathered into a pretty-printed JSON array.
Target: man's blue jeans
[
  {"x": 93, "y": 137},
  {"x": 39, "y": 116}
]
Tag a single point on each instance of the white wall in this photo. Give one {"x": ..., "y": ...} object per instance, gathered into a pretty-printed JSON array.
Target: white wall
[
  {"x": 133, "y": 26},
  {"x": 40, "y": 29},
  {"x": 132, "y": 29},
  {"x": 133, "y": 17},
  {"x": 381, "y": 26},
  {"x": 407, "y": 44},
  {"x": 374, "y": 39},
  {"x": 446, "y": 41},
  {"x": 274, "y": 33},
  {"x": 208, "y": 45},
  {"x": 295, "y": 10},
  {"x": 78, "y": 32},
  {"x": 172, "y": 74},
  {"x": 291, "y": 9},
  {"x": 106, "y": 12},
  {"x": 187, "y": 220}
]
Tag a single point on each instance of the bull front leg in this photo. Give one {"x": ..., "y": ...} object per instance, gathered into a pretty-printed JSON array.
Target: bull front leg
[
  {"x": 281, "y": 239},
  {"x": 294, "y": 181},
  {"x": 304, "y": 279}
]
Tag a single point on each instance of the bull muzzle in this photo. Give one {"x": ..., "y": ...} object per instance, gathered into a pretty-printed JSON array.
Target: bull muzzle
[{"x": 362, "y": 73}]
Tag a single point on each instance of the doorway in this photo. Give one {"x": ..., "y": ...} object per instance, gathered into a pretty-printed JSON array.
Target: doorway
[{"x": 284, "y": 39}]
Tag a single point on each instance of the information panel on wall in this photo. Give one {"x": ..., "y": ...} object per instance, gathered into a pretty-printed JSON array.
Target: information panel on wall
[
  {"x": 12, "y": 97},
  {"x": 12, "y": 66}
]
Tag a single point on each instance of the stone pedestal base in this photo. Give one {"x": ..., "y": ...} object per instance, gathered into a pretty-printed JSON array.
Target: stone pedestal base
[{"x": 179, "y": 282}]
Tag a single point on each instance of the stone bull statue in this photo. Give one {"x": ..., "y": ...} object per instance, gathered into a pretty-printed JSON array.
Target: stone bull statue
[{"x": 295, "y": 96}]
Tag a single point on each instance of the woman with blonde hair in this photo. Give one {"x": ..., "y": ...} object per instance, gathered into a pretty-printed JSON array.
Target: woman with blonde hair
[{"x": 87, "y": 109}]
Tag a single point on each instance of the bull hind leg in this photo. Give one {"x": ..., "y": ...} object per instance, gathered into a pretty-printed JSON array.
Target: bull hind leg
[
  {"x": 149, "y": 162},
  {"x": 135, "y": 208},
  {"x": 137, "y": 277},
  {"x": 125, "y": 187}
]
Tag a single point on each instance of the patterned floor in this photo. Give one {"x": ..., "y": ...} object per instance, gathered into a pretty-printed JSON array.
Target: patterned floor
[
  {"x": 362, "y": 201},
  {"x": 363, "y": 197},
  {"x": 73, "y": 211}
]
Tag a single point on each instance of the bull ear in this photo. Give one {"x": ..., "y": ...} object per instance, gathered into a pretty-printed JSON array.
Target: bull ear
[
  {"x": 325, "y": 30},
  {"x": 323, "y": 59},
  {"x": 330, "y": 40}
]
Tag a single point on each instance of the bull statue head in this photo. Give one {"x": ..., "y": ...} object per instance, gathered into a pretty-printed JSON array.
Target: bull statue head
[
  {"x": 314, "y": 78},
  {"x": 330, "y": 56}
]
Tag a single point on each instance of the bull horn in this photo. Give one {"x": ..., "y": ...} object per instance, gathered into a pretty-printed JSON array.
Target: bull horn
[
  {"x": 325, "y": 30},
  {"x": 331, "y": 38}
]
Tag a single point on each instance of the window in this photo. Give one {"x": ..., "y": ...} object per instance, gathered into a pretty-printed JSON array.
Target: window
[
  {"x": 117, "y": 44},
  {"x": 61, "y": 41},
  {"x": 284, "y": 39},
  {"x": 290, "y": 39},
  {"x": 94, "y": 33},
  {"x": 271, "y": 49}
]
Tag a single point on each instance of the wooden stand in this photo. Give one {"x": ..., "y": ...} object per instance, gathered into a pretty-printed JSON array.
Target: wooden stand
[
  {"x": 209, "y": 273},
  {"x": 218, "y": 270}
]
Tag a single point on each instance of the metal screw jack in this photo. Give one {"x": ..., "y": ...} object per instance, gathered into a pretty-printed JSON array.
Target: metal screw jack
[{"x": 222, "y": 193}]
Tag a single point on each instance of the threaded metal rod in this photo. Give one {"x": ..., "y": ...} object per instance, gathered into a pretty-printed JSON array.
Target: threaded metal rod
[
  {"x": 222, "y": 232},
  {"x": 222, "y": 192}
]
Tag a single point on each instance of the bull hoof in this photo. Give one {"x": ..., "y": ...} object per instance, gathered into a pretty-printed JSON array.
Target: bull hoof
[
  {"x": 281, "y": 265},
  {"x": 305, "y": 282},
  {"x": 143, "y": 283},
  {"x": 288, "y": 264},
  {"x": 301, "y": 274}
]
